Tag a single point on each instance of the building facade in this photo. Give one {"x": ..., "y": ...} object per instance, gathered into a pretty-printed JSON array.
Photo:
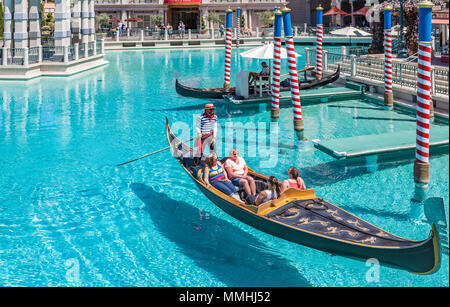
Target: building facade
[{"x": 188, "y": 11}]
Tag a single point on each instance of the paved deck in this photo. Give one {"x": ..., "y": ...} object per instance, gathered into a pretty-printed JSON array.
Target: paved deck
[
  {"x": 366, "y": 145},
  {"x": 318, "y": 94}
]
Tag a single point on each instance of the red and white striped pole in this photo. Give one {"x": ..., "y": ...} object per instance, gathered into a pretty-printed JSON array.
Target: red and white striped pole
[
  {"x": 388, "y": 94},
  {"x": 228, "y": 40},
  {"x": 276, "y": 71},
  {"x": 421, "y": 164},
  {"x": 292, "y": 63},
  {"x": 319, "y": 34}
]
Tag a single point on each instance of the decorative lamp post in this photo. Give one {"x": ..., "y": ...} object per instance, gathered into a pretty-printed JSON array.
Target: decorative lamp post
[{"x": 402, "y": 52}]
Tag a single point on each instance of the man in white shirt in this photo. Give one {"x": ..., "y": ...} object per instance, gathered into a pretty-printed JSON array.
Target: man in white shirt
[
  {"x": 237, "y": 171},
  {"x": 265, "y": 71}
]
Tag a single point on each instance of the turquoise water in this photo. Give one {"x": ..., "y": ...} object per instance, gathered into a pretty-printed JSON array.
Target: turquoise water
[{"x": 70, "y": 216}]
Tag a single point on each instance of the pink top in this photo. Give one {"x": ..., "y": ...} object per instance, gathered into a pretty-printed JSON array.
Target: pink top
[{"x": 298, "y": 184}]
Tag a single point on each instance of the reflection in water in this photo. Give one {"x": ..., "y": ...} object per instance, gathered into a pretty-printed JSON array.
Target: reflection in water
[{"x": 233, "y": 256}]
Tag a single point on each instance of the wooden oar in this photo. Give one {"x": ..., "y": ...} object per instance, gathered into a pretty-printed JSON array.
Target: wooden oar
[
  {"x": 301, "y": 70},
  {"x": 152, "y": 153}
]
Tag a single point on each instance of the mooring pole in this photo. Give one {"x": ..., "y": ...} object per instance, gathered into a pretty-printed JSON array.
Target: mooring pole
[
  {"x": 421, "y": 164},
  {"x": 319, "y": 34},
  {"x": 276, "y": 66},
  {"x": 229, "y": 25},
  {"x": 388, "y": 94},
  {"x": 292, "y": 63}
]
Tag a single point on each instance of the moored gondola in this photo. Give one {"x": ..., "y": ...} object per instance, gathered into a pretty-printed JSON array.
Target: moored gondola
[
  {"x": 304, "y": 218},
  {"x": 216, "y": 93}
]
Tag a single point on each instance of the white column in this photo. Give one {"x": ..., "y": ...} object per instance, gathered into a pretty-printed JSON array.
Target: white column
[
  {"x": 62, "y": 23},
  {"x": 84, "y": 21},
  {"x": 5, "y": 56},
  {"x": 76, "y": 56},
  {"x": 76, "y": 20},
  {"x": 20, "y": 23},
  {"x": 35, "y": 25},
  {"x": 91, "y": 21},
  {"x": 8, "y": 9}
]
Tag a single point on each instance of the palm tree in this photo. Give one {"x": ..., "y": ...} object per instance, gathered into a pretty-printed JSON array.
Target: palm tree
[{"x": 103, "y": 20}]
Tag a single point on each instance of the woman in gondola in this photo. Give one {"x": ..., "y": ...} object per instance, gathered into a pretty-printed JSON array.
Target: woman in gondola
[
  {"x": 272, "y": 192},
  {"x": 294, "y": 181},
  {"x": 214, "y": 174}
]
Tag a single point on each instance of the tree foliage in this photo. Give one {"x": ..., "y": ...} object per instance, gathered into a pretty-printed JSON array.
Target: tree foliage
[
  {"x": 156, "y": 19},
  {"x": 266, "y": 17}
]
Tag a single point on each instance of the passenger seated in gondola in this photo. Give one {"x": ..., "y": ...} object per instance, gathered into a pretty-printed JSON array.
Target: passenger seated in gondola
[
  {"x": 294, "y": 180},
  {"x": 272, "y": 192},
  {"x": 253, "y": 76},
  {"x": 238, "y": 172},
  {"x": 214, "y": 174}
]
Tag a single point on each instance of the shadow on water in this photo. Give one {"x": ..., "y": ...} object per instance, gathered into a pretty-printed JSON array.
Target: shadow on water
[{"x": 233, "y": 256}]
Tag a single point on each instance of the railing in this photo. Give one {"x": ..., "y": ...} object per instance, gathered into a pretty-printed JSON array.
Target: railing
[
  {"x": 81, "y": 51},
  {"x": 334, "y": 60},
  {"x": 404, "y": 74},
  {"x": 91, "y": 46},
  {"x": 16, "y": 56},
  {"x": 98, "y": 46},
  {"x": 441, "y": 78},
  {"x": 33, "y": 55}
]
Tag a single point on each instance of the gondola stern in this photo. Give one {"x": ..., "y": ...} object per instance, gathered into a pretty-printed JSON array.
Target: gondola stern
[{"x": 433, "y": 241}]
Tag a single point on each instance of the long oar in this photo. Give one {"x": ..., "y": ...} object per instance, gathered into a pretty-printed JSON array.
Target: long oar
[
  {"x": 302, "y": 70},
  {"x": 152, "y": 153}
]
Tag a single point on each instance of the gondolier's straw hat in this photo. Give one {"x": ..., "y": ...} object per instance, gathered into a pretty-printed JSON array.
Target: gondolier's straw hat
[{"x": 209, "y": 106}]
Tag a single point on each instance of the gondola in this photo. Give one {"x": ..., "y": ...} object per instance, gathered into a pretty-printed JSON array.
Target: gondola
[
  {"x": 216, "y": 93},
  {"x": 306, "y": 219}
]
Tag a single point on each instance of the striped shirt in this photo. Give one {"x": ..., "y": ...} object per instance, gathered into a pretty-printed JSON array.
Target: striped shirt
[{"x": 206, "y": 124}]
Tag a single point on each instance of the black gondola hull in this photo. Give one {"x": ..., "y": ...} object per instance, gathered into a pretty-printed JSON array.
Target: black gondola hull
[
  {"x": 421, "y": 257},
  {"x": 218, "y": 93}
]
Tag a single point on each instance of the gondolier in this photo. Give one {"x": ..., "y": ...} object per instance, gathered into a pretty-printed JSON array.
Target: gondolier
[{"x": 206, "y": 127}]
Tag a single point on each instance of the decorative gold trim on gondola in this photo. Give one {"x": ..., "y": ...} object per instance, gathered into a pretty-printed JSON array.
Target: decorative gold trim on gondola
[
  {"x": 306, "y": 221},
  {"x": 295, "y": 211},
  {"x": 335, "y": 230},
  {"x": 334, "y": 214},
  {"x": 370, "y": 240},
  {"x": 356, "y": 224}
]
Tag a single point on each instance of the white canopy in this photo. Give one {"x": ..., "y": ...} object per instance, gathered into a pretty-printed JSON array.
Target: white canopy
[
  {"x": 264, "y": 52},
  {"x": 350, "y": 31}
]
